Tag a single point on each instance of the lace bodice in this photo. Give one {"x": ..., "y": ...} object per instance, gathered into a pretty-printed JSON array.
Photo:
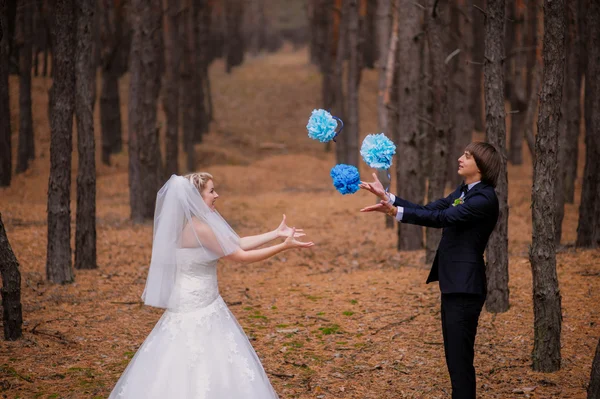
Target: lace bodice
[{"x": 196, "y": 284}]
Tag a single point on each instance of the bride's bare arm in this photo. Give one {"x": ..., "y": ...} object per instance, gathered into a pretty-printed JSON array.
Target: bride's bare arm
[
  {"x": 251, "y": 242},
  {"x": 255, "y": 255}
]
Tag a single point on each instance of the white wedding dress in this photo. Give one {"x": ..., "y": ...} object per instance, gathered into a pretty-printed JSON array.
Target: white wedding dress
[{"x": 197, "y": 350}]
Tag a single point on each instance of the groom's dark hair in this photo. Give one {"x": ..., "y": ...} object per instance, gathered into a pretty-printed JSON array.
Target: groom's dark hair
[{"x": 487, "y": 159}]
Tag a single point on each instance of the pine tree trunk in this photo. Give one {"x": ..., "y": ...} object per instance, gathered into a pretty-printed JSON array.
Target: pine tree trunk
[
  {"x": 408, "y": 171},
  {"x": 518, "y": 94},
  {"x": 5, "y": 129},
  {"x": 171, "y": 84},
  {"x": 12, "y": 315},
  {"x": 25, "y": 151},
  {"x": 62, "y": 104},
  {"x": 234, "y": 41},
  {"x": 352, "y": 83},
  {"x": 461, "y": 118},
  {"x": 187, "y": 105},
  {"x": 85, "y": 232},
  {"x": 339, "y": 102},
  {"x": 530, "y": 115},
  {"x": 437, "y": 32},
  {"x": 110, "y": 115},
  {"x": 572, "y": 101},
  {"x": 383, "y": 31},
  {"x": 546, "y": 293},
  {"x": 477, "y": 51},
  {"x": 588, "y": 229},
  {"x": 200, "y": 46},
  {"x": 112, "y": 49},
  {"x": 144, "y": 151},
  {"x": 593, "y": 391},
  {"x": 495, "y": 130}
]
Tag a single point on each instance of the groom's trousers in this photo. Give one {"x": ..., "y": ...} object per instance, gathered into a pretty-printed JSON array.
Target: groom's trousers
[{"x": 460, "y": 315}]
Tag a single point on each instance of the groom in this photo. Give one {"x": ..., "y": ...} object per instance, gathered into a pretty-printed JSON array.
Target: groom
[{"x": 467, "y": 217}]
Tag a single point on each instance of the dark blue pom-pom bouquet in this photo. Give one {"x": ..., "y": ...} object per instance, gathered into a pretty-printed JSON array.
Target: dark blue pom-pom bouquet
[{"x": 345, "y": 178}]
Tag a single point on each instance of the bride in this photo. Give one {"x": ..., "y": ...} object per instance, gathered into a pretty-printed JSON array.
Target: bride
[{"x": 197, "y": 349}]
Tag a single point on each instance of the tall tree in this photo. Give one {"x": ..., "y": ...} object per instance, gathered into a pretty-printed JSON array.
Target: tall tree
[
  {"x": 26, "y": 149},
  {"x": 85, "y": 68},
  {"x": 201, "y": 41},
  {"x": 568, "y": 139},
  {"x": 353, "y": 81},
  {"x": 383, "y": 32},
  {"x": 144, "y": 87},
  {"x": 5, "y": 129},
  {"x": 546, "y": 293},
  {"x": 495, "y": 129},
  {"x": 588, "y": 229},
  {"x": 516, "y": 81},
  {"x": 189, "y": 68},
  {"x": 477, "y": 51},
  {"x": 62, "y": 103},
  {"x": 171, "y": 83},
  {"x": 234, "y": 40},
  {"x": 339, "y": 101},
  {"x": 573, "y": 105},
  {"x": 594, "y": 387},
  {"x": 408, "y": 170},
  {"x": 438, "y": 22},
  {"x": 114, "y": 52},
  {"x": 12, "y": 315},
  {"x": 460, "y": 115}
]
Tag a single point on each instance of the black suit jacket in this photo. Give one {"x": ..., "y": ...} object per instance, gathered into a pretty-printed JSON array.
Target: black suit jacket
[{"x": 458, "y": 264}]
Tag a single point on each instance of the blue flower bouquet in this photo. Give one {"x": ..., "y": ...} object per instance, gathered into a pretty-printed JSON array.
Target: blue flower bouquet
[
  {"x": 377, "y": 151},
  {"x": 322, "y": 126},
  {"x": 345, "y": 178}
]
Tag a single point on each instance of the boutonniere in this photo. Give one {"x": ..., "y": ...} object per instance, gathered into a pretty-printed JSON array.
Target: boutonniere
[{"x": 458, "y": 201}]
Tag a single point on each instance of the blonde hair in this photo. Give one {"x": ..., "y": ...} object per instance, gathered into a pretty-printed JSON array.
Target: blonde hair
[{"x": 199, "y": 180}]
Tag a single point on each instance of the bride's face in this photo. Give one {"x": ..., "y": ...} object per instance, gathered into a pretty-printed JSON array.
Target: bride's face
[{"x": 209, "y": 195}]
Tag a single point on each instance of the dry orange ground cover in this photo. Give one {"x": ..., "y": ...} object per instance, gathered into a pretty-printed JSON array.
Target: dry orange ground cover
[{"x": 351, "y": 318}]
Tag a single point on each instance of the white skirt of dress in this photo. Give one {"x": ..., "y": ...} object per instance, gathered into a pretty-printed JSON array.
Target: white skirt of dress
[{"x": 202, "y": 354}]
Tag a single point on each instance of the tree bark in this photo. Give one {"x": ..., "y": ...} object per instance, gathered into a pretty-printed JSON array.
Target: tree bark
[
  {"x": 339, "y": 100},
  {"x": 188, "y": 67},
  {"x": 171, "y": 84},
  {"x": 437, "y": 31},
  {"x": 5, "y": 129},
  {"x": 588, "y": 229},
  {"x": 26, "y": 148},
  {"x": 383, "y": 31},
  {"x": 408, "y": 170},
  {"x": 144, "y": 151},
  {"x": 532, "y": 105},
  {"x": 12, "y": 315},
  {"x": 353, "y": 82},
  {"x": 495, "y": 129},
  {"x": 518, "y": 93},
  {"x": 593, "y": 391},
  {"x": 200, "y": 46},
  {"x": 572, "y": 101},
  {"x": 85, "y": 232},
  {"x": 477, "y": 52},
  {"x": 62, "y": 103},
  {"x": 113, "y": 44},
  {"x": 546, "y": 293},
  {"x": 461, "y": 118},
  {"x": 234, "y": 40}
]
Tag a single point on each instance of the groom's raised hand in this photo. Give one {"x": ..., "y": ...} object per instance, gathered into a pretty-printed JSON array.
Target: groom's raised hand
[{"x": 376, "y": 188}]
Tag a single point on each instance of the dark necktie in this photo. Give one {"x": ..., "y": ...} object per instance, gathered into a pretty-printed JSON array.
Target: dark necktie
[{"x": 464, "y": 188}]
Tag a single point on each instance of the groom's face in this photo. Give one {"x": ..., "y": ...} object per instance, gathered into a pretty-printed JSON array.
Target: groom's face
[{"x": 466, "y": 166}]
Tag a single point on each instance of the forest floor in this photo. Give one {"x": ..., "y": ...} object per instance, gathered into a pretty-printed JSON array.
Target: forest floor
[{"x": 350, "y": 318}]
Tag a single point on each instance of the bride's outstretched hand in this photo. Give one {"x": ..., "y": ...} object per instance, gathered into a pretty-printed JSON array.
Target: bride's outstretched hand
[
  {"x": 291, "y": 242},
  {"x": 374, "y": 187},
  {"x": 284, "y": 231}
]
